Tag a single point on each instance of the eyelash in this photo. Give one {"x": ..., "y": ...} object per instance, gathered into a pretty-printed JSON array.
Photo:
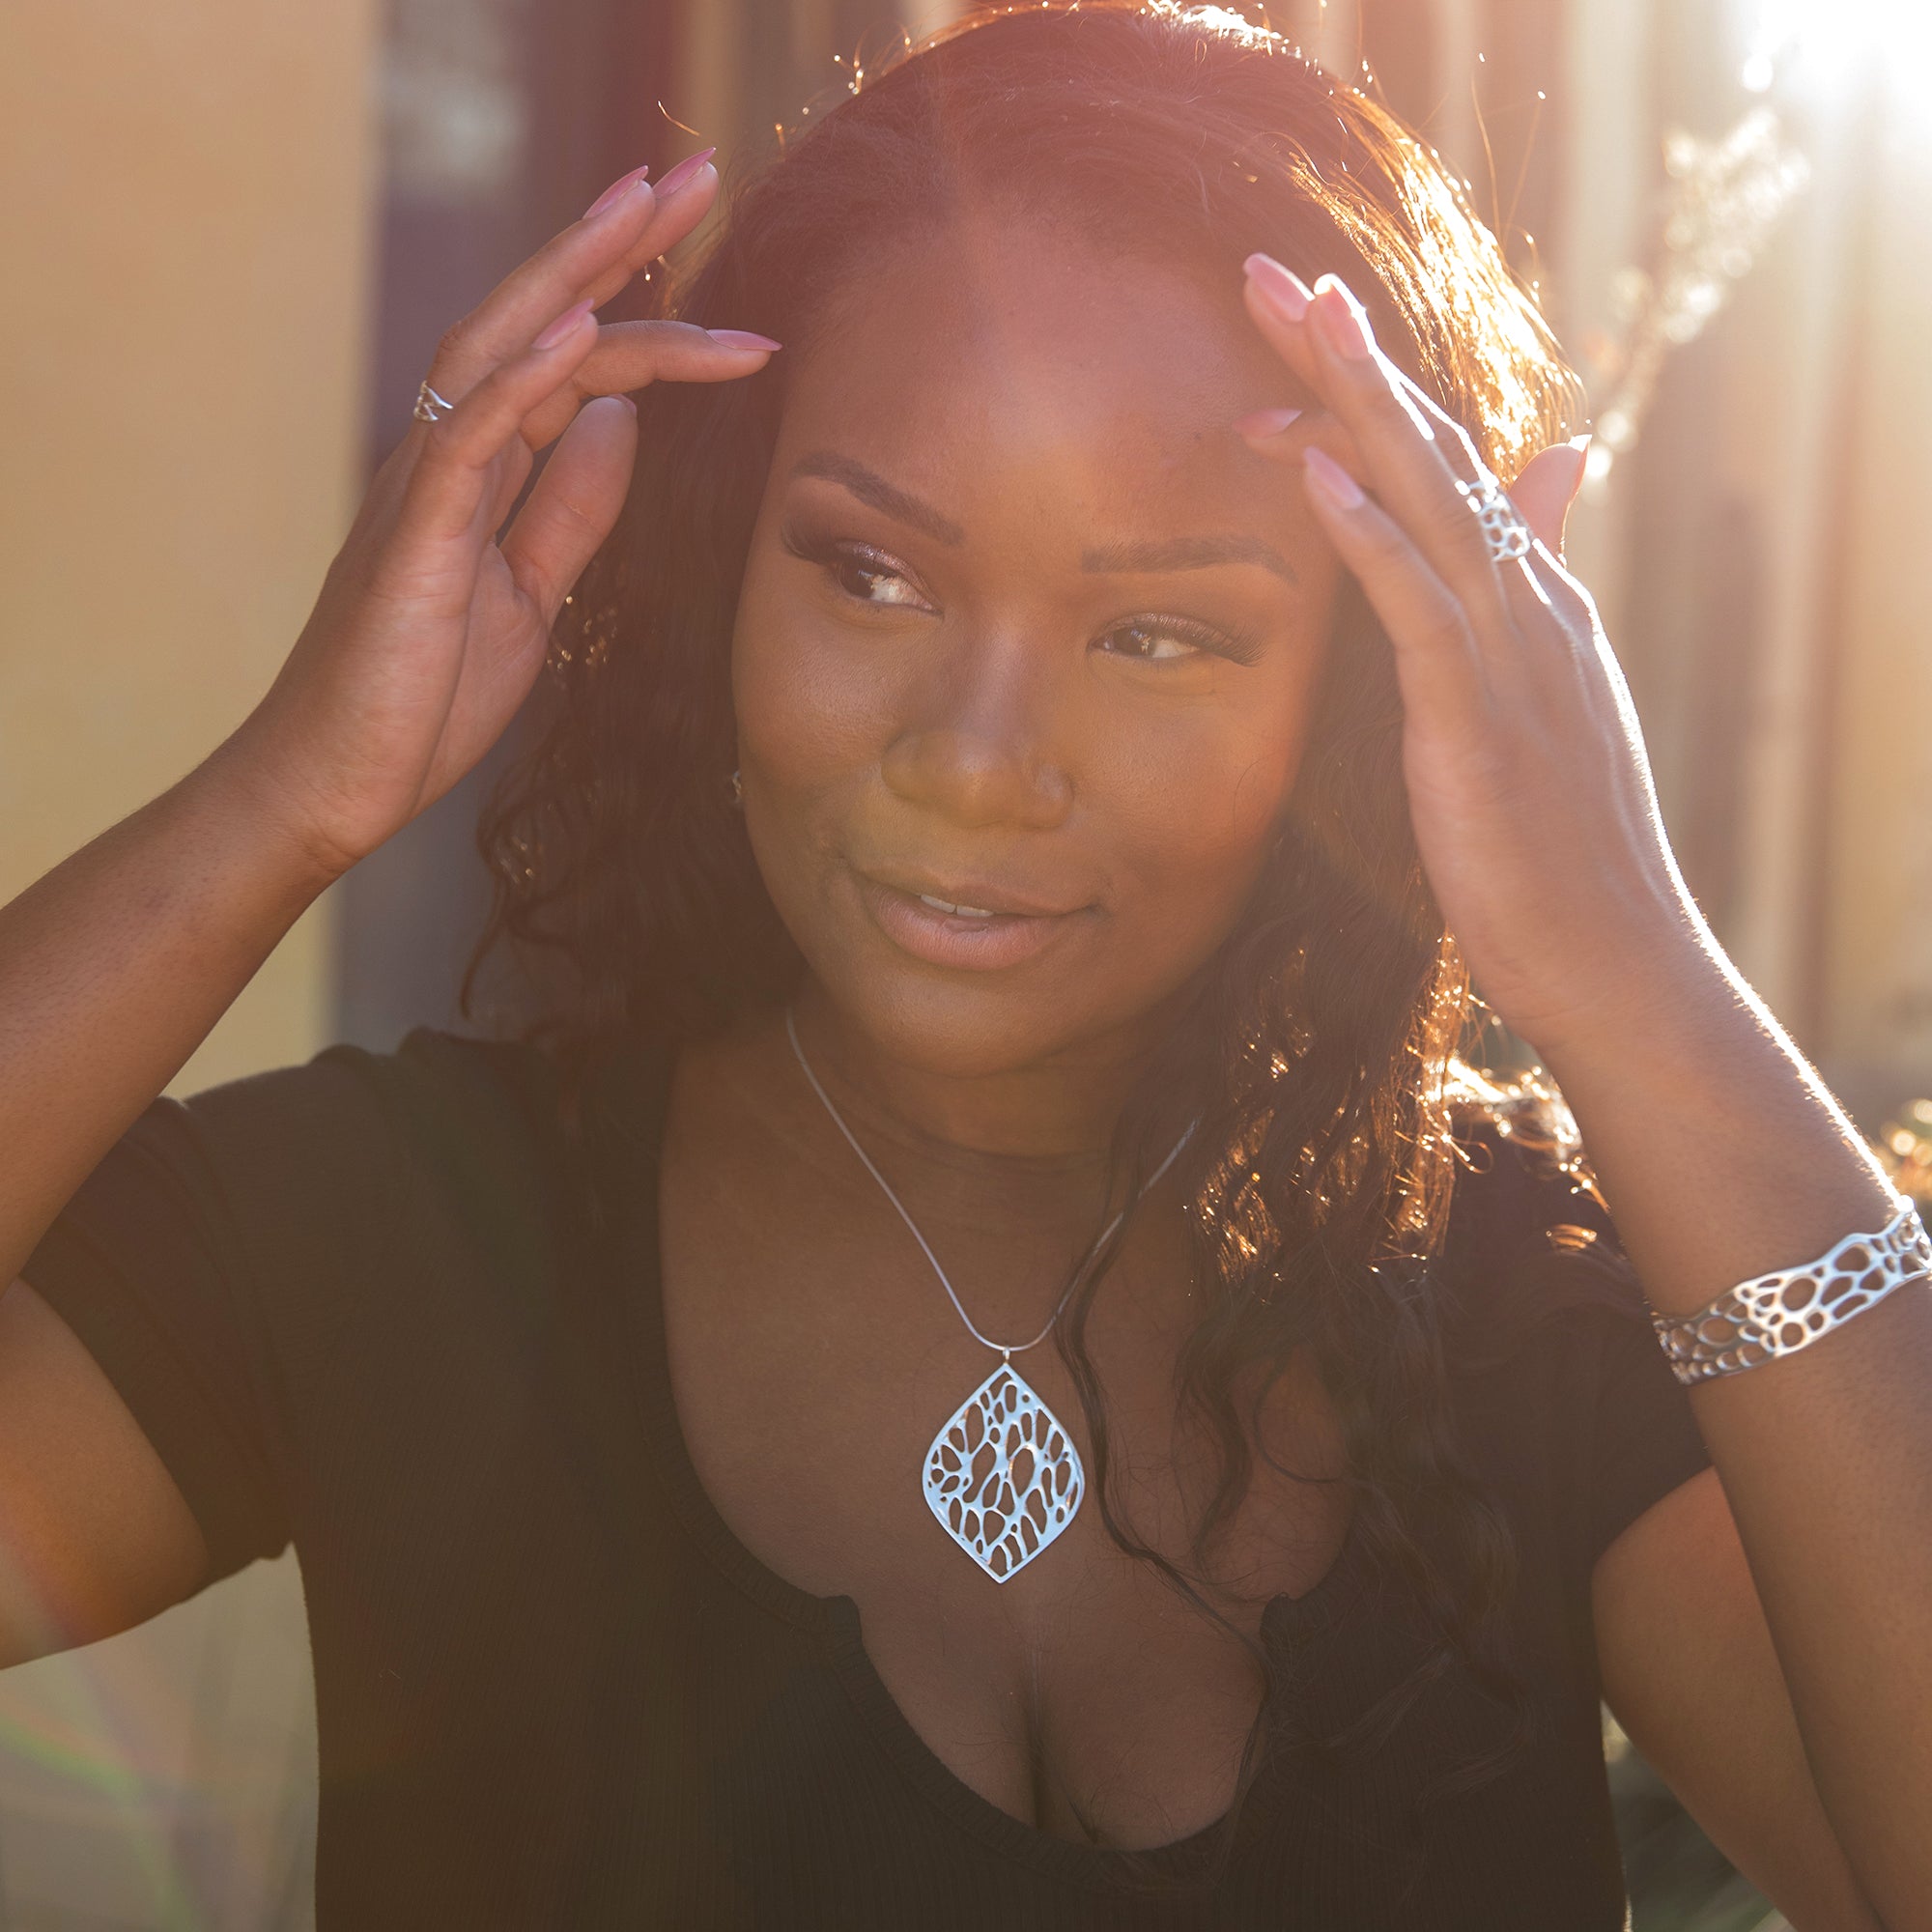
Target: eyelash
[{"x": 838, "y": 558}]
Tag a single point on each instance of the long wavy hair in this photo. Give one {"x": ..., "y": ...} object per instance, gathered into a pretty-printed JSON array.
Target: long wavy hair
[{"x": 1318, "y": 1047}]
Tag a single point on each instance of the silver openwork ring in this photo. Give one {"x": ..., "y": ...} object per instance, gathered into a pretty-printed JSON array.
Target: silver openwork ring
[
  {"x": 430, "y": 406},
  {"x": 1503, "y": 527}
]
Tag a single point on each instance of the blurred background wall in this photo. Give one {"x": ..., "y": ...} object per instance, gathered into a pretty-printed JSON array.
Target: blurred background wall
[
  {"x": 232, "y": 235},
  {"x": 185, "y": 337}
]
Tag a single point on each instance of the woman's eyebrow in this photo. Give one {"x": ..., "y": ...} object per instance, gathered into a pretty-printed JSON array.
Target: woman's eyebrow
[
  {"x": 1187, "y": 553},
  {"x": 869, "y": 487},
  {"x": 1168, "y": 554}
]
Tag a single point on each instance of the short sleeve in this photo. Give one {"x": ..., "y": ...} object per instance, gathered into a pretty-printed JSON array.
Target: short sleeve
[
  {"x": 1567, "y": 1309},
  {"x": 1646, "y": 1442},
  {"x": 234, "y": 1252}
]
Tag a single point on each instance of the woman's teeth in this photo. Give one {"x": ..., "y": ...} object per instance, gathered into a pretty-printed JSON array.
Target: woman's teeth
[{"x": 961, "y": 912}]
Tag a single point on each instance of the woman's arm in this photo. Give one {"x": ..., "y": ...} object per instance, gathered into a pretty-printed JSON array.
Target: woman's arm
[
  {"x": 1688, "y": 1668},
  {"x": 112, "y": 970},
  {"x": 95, "y": 1533},
  {"x": 427, "y": 635},
  {"x": 428, "y": 632},
  {"x": 1722, "y": 1157},
  {"x": 114, "y": 967},
  {"x": 1720, "y": 1154}
]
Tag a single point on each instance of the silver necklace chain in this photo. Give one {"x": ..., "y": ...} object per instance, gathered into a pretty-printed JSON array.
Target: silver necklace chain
[{"x": 1006, "y": 1350}]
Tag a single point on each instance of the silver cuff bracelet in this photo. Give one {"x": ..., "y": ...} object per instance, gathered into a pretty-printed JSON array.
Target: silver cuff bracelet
[{"x": 1779, "y": 1314}]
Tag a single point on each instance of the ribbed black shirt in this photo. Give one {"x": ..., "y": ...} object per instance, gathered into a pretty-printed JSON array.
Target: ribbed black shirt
[{"x": 358, "y": 1305}]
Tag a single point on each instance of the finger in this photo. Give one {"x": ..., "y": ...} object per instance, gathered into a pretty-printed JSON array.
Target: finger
[
  {"x": 575, "y": 504},
  {"x": 1437, "y": 658},
  {"x": 511, "y": 471},
  {"x": 1416, "y": 454},
  {"x": 638, "y": 225},
  {"x": 1278, "y": 300},
  {"x": 453, "y": 486},
  {"x": 629, "y": 355},
  {"x": 691, "y": 187},
  {"x": 1415, "y": 469},
  {"x": 1553, "y": 609},
  {"x": 1546, "y": 487}
]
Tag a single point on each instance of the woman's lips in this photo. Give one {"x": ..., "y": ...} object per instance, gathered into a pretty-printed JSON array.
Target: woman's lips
[{"x": 977, "y": 941}]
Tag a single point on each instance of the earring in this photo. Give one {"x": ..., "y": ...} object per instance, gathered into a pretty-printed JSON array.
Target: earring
[{"x": 738, "y": 789}]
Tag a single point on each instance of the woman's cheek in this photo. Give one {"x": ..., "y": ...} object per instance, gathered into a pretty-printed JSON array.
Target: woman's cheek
[
  {"x": 1196, "y": 831},
  {"x": 807, "y": 706}
]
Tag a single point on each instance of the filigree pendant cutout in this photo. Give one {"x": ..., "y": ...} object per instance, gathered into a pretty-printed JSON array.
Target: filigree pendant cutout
[{"x": 1003, "y": 1476}]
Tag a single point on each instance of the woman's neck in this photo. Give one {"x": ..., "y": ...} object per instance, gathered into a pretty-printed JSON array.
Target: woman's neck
[
  {"x": 1008, "y": 1172},
  {"x": 1055, "y": 1115}
]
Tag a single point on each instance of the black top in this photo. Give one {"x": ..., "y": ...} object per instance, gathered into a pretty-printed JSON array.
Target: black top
[{"x": 356, "y": 1305}]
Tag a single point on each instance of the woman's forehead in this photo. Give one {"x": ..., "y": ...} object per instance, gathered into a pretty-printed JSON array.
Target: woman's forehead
[
  {"x": 959, "y": 308},
  {"x": 957, "y": 369}
]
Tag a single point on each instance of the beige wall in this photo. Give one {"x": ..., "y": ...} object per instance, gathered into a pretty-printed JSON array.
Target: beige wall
[
  {"x": 185, "y": 228},
  {"x": 1880, "y": 904}
]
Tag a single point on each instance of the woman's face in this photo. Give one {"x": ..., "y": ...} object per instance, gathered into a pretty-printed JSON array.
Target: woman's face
[{"x": 1029, "y": 631}]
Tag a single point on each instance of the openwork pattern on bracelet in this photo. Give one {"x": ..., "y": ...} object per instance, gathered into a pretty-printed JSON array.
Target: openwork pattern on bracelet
[{"x": 1789, "y": 1309}]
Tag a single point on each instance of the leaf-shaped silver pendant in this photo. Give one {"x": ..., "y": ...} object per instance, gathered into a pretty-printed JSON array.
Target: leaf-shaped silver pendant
[{"x": 1003, "y": 1476}]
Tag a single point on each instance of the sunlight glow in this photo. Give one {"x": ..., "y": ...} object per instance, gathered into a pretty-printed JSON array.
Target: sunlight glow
[{"x": 1822, "y": 46}]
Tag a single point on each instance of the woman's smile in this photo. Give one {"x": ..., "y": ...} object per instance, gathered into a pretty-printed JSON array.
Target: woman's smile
[{"x": 974, "y": 926}]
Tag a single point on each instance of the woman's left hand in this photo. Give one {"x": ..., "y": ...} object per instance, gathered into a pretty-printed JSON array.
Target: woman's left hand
[
  {"x": 1530, "y": 792},
  {"x": 1719, "y": 1151}
]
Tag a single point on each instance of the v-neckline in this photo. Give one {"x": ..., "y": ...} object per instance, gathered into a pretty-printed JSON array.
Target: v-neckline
[{"x": 835, "y": 1620}]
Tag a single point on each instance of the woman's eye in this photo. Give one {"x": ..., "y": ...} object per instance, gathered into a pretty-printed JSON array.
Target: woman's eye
[
  {"x": 871, "y": 576},
  {"x": 873, "y": 583},
  {"x": 1155, "y": 642}
]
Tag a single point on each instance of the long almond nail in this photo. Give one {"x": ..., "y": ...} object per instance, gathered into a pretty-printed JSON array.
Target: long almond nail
[
  {"x": 742, "y": 338},
  {"x": 1342, "y": 320},
  {"x": 617, "y": 191},
  {"x": 683, "y": 172},
  {"x": 1285, "y": 288},
  {"x": 1266, "y": 422},
  {"x": 1332, "y": 480}
]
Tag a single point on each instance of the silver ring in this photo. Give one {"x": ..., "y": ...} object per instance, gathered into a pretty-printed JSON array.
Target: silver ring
[
  {"x": 430, "y": 406},
  {"x": 1505, "y": 531}
]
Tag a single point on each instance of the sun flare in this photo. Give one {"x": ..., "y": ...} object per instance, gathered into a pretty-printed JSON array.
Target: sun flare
[{"x": 1824, "y": 48}]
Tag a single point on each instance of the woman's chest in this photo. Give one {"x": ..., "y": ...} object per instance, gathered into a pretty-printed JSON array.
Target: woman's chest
[{"x": 1083, "y": 1694}]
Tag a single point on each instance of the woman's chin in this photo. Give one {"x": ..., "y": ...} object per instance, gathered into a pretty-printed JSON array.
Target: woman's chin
[{"x": 980, "y": 1025}]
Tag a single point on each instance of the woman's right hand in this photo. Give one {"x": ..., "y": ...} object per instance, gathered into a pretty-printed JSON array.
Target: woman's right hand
[{"x": 429, "y": 631}]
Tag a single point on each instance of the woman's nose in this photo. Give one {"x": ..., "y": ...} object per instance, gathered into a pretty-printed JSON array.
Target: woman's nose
[{"x": 983, "y": 757}]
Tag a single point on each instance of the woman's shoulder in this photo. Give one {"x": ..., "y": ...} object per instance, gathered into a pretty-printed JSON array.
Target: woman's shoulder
[
  {"x": 434, "y": 1089},
  {"x": 350, "y": 1144},
  {"x": 1566, "y": 1403},
  {"x": 464, "y": 1088}
]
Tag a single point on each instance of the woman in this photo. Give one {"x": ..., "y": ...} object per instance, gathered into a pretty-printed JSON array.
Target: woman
[{"x": 1015, "y": 756}]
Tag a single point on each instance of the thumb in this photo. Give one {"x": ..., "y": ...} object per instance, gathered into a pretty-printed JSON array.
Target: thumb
[
  {"x": 1547, "y": 486},
  {"x": 575, "y": 503}
]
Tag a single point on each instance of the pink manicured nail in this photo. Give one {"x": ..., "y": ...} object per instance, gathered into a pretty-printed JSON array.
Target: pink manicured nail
[
  {"x": 742, "y": 338},
  {"x": 1286, "y": 290},
  {"x": 683, "y": 172},
  {"x": 1266, "y": 422},
  {"x": 617, "y": 191},
  {"x": 1342, "y": 320},
  {"x": 564, "y": 326},
  {"x": 1332, "y": 480}
]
